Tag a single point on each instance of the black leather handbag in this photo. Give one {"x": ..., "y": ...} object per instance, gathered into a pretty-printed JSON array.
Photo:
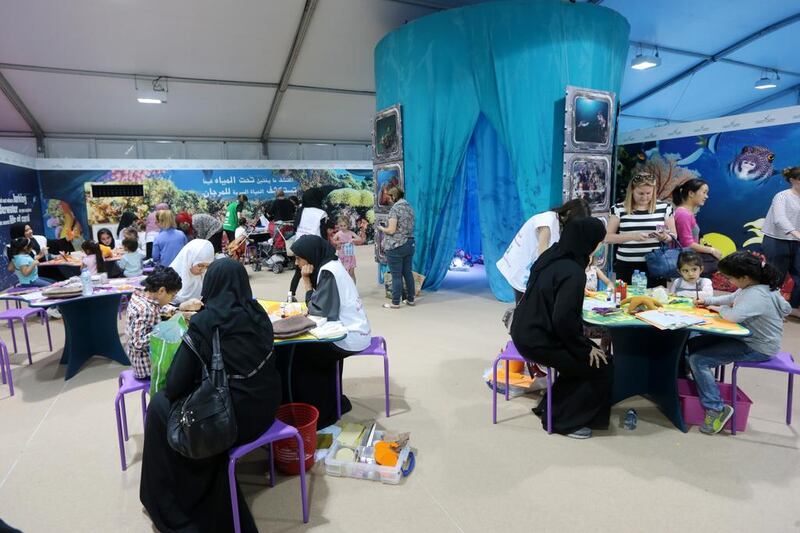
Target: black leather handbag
[{"x": 203, "y": 424}]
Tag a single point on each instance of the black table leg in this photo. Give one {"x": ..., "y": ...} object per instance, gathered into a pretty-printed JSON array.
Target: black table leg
[{"x": 646, "y": 363}]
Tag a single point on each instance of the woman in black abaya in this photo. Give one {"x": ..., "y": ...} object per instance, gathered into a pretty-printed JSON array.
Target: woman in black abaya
[
  {"x": 182, "y": 494},
  {"x": 548, "y": 330}
]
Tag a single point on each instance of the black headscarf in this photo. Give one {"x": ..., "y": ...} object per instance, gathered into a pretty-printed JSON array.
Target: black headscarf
[
  {"x": 578, "y": 241},
  {"x": 313, "y": 197},
  {"x": 316, "y": 251},
  {"x": 17, "y": 230},
  {"x": 125, "y": 221},
  {"x": 244, "y": 328}
]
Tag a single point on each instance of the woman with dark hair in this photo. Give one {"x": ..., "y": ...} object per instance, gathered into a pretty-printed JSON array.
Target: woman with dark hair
[
  {"x": 538, "y": 234},
  {"x": 688, "y": 199},
  {"x": 330, "y": 293},
  {"x": 310, "y": 219},
  {"x": 637, "y": 226},
  {"x": 758, "y": 306},
  {"x": 400, "y": 246},
  {"x": 22, "y": 229},
  {"x": 127, "y": 220},
  {"x": 782, "y": 232},
  {"x": 548, "y": 330},
  {"x": 182, "y": 494}
]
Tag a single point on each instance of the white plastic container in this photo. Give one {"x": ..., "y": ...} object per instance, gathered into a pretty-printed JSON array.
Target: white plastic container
[{"x": 391, "y": 475}]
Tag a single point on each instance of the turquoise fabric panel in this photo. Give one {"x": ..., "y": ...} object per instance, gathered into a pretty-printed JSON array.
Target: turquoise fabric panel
[{"x": 510, "y": 61}]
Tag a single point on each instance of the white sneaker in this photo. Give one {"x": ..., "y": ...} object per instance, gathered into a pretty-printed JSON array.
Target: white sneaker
[{"x": 53, "y": 312}]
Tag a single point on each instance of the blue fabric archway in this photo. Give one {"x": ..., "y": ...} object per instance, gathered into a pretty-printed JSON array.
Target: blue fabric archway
[{"x": 509, "y": 61}]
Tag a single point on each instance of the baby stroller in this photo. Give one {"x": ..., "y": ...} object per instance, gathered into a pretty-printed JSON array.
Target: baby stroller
[{"x": 273, "y": 254}]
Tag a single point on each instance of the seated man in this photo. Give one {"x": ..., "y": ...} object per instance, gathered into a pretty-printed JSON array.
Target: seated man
[{"x": 144, "y": 312}]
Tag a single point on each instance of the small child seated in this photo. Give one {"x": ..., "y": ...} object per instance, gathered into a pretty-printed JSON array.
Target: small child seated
[
  {"x": 690, "y": 284},
  {"x": 93, "y": 259},
  {"x": 25, "y": 266},
  {"x": 597, "y": 332},
  {"x": 144, "y": 312},
  {"x": 131, "y": 262},
  {"x": 758, "y": 306}
]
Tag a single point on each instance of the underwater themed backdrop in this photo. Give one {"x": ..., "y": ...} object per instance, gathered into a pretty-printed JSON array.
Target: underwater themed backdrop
[
  {"x": 742, "y": 168},
  {"x": 19, "y": 203},
  {"x": 70, "y": 208}
]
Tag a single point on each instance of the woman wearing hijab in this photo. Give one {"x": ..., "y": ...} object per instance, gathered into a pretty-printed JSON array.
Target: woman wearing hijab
[
  {"x": 548, "y": 330},
  {"x": 126, "y": 220},
  {"x": 191, "y": 264},
  {"x": 208, "y": 228},
  {"x": 182, "y": 494},
  {"x": 310, "y": 219},
  {"x": 332, "y": 294},
  {"x": 22, "y": 229}
]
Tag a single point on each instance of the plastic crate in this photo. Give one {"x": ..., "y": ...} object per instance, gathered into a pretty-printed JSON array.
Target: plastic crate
[
  {"x": 391, "y": 475},
  {"x": 694, "y": 413}
]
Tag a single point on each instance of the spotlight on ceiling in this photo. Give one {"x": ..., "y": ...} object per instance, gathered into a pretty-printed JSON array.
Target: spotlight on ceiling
[
  {"x": 151, "y": 91},
  {"x": 643, "y": 62},
  {"x": 767, "y": 81}
]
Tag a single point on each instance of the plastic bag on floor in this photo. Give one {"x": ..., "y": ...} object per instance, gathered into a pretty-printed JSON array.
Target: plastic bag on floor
[
  {"x": 519, "y": 383},
  {"x": 164, "y": 343}
]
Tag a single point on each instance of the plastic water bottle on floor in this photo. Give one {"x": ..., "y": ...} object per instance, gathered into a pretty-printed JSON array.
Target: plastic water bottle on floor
[
  {"x": 631, "y": 418},
  {"x": 86, "y": 282}
]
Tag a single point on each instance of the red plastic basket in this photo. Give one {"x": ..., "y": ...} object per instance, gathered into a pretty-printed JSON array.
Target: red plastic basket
[{"x": 303, "y": 417}]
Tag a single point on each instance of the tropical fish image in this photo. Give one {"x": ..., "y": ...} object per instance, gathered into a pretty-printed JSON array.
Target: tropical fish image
[
  {"x": 753, "y": 164},
  {"x": 706, "y": 144}
]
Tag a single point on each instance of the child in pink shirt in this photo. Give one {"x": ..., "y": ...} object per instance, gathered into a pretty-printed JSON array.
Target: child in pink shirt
[{"x": 345, "y": 241}]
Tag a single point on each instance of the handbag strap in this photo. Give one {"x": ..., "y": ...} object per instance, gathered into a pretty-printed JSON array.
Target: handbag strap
[
  {"x": 190, "y": 343},
  {"x": 217, "y": 356}
]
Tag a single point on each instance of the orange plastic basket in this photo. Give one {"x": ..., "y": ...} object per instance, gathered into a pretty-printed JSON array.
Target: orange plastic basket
[{"x": 303, "y": 417}]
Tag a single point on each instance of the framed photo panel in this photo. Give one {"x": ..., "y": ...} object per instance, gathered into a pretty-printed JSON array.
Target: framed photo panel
[
  {"x": 387, "y": 135},
  {"x": 589, "y": 120},
  {"x": 380, "y": 254},
  {"x": 386, "y": 175},
  {"x": 588, "y": 176}
]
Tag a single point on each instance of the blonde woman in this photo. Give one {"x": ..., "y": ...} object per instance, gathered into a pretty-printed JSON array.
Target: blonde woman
[
  {"x": 169, "y": 240},
  {"x": 638, "y": 226}
]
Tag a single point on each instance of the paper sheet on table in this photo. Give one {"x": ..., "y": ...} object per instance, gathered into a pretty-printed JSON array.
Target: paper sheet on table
[
  {"x": 329, "y": 330},
  {"x": 32, "y": 296},
  {"x": 591, "y": 303},
  {"x": 669, "y": 319}
]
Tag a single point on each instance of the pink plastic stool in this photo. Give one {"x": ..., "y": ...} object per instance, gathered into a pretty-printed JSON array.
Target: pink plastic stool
[
  {"x": 23, "y": 314},
  {"x": 277, "y": 431},
  {"x": 5, "y": 367},
  {"x": 127, "y": 384},
  {"x": 782, "y": 362},
  {"x": 510, "y": 353},
  {"x": 377, "y": 346}
]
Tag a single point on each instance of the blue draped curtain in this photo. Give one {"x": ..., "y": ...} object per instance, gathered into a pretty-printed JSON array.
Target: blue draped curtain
[{"x": 511, "y": 62}]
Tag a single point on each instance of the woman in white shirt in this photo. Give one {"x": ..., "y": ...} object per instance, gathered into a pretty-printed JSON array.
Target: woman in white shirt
[
  {"x": 309, "y": 375},
  {"x": 309, "y": 220},
  {"x": 782, "y": 232},
  {"x": 539, "y": 233}
]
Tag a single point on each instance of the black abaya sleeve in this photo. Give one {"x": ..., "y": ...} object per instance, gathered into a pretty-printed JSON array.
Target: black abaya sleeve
[
  {"x": 568, "y": 314},
  {"x": 324, "y": 300},
  {"x": 182, "y": 374}
]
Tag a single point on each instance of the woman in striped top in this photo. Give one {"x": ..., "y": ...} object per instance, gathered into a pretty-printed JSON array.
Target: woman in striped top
[{"x": 637, "y": 226}]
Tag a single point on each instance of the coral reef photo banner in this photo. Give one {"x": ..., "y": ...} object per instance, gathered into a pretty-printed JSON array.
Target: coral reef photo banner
[
  {"x": 742, "y": 168},
  {"x": 70, "y": 208}
]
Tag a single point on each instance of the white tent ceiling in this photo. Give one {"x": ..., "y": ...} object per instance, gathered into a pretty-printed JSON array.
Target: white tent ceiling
[{"x": 71, "y": 64}]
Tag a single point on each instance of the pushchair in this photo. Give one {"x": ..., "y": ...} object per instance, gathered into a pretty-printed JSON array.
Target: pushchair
[{"x": 273, "y": 254}]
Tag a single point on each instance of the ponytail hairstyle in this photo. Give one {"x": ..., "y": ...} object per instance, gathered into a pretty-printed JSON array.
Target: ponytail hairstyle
[
  {"x": 791, "y": 173},
  {"x": 575, "y": 208},
  {"x": 679, "y": 194},
  {"x": 20, "y": 245},
  {"x": 91, "y": 247},
  {"x": 754, "y": 266}
]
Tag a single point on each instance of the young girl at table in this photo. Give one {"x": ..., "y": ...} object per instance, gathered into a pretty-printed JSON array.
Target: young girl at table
[
  {"x": 690, "y": 284},
  {"x": 592, "y": 275},
  {"x": 106, "y": 242},
  {"x": 345, "y": 242},
  {"x": 144, "y": 312},
  {"x": 26, "y": 267},
  {"x": 758, "y": 306},
  {"x": 93, "y": 257}
]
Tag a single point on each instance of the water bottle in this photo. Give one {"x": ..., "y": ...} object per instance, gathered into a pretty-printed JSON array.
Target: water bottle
[
  {"x": 630, "y": 419},
  {"x": 290, "y": 298},
  {"x": 86, "y": 283}
]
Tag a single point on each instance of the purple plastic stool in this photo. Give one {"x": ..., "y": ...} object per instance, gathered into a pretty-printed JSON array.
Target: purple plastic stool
[
  {"x": 377, "y": 346},
  {"x": 277, "y": 431},
  {"x": 782, "y": 362},
  {"x": 5, "y": 367},
  {"x": 127, "y": 384},
  {"x": 510, "y": 353},
  {"x": 23, "y": 315}
]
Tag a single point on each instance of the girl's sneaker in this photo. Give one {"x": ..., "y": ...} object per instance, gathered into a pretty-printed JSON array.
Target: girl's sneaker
[{"x": 716, "y": 420}]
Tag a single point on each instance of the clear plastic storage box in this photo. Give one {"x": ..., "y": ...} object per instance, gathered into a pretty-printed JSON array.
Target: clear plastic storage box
[{"x": 390, "y": 475}]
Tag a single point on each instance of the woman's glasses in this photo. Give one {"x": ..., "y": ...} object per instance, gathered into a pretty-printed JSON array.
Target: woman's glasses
[{"x": 643, "y": 177}]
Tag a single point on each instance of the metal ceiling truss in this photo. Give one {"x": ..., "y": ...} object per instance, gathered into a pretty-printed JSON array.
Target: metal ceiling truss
[
  {"x": 297, "y": 44},
  {"x": 764, "y": 100},
  {"x": 709, "y": 60},
  {"x": 25, "y": 113}
]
